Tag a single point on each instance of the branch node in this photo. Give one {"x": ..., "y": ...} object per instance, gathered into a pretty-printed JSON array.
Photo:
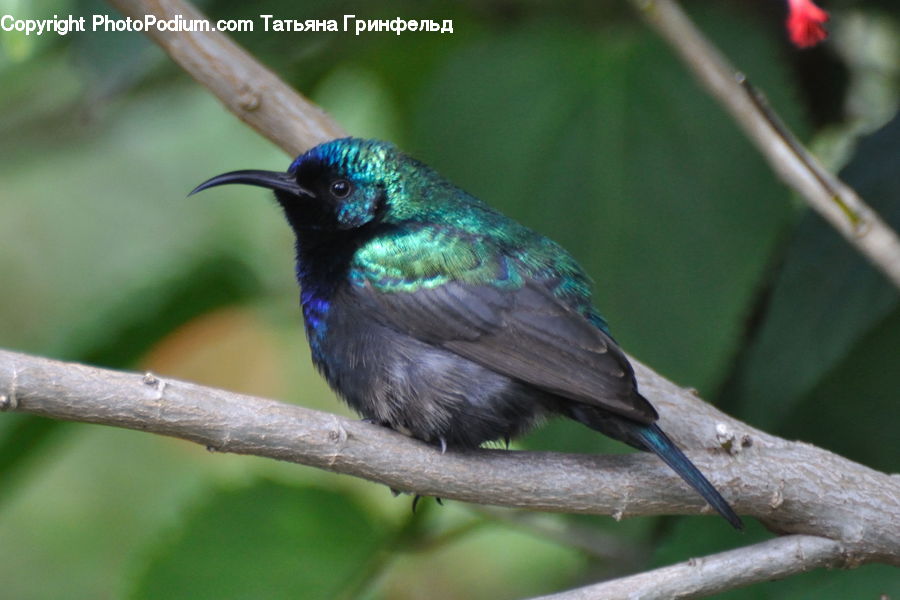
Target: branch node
[
  {"x": 863, "y": 224},
  {"x": 10, "y": 401},
  {"x": 777, "y": 498},
  {"x": 730, "y": 441},
  {"x": 151, "y": 380},
  {"x": 339, "y": 436},
  {"x": 248, "y": 99}
]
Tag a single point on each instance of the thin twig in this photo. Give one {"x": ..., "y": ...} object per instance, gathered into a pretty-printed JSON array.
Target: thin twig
[
  {"x": 766, "y": 561},
  {"x": 796, "y": 166}
]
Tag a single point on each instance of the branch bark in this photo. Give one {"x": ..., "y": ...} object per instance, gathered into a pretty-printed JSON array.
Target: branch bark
[
  {"x": 791, "y": 487},
  {"x": 794, "y": 164},
  {"x": 772, "y": 559}
]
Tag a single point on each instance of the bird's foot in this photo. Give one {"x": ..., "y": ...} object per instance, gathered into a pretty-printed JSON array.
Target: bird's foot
[{"x": 419, "y": 496}]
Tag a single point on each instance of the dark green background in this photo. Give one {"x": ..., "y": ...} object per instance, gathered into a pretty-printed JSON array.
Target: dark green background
[{"x": 570, "y": 116}]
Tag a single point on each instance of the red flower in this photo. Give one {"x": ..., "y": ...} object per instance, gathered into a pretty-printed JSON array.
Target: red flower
[{"x": 805, "y": 23}]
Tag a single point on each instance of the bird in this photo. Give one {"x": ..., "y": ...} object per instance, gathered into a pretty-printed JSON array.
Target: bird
[{"x": 435, "y": 315}]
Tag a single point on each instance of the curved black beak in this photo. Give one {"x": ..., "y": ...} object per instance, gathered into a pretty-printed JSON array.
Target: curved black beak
[{"x": 272, "y": 180}]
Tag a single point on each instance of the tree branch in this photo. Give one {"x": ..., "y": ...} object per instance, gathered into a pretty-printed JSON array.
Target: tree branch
[
  {"x": 797, "y": 167},
  {"x": 772, "y": 559},
  {"x": 791, "y": 487}
]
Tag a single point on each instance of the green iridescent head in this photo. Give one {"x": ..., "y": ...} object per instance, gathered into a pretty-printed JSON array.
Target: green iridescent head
[{"x": 341, "y": 184}]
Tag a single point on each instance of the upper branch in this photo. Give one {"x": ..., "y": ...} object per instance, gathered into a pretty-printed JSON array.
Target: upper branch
[
  {"x": 278, "y": 112},
  {"x": 796, "y": 166},
  {"x": 791, "y": 487}
]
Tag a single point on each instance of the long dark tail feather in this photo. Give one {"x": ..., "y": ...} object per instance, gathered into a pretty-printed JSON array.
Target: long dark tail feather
[{"x": 655, "y": 440}]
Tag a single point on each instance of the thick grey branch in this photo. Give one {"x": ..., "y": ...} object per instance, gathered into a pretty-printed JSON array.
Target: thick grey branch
[
  {"x": 791, "y": 487},
  {"x": 697, "y": 577},
  {"x": 824, "y": 192}
]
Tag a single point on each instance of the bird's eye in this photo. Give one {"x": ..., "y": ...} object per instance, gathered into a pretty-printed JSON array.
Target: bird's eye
[{"x": 341, "y": 188}]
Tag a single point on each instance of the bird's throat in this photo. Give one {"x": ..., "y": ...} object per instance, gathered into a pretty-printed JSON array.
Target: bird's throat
[{"x": 323, "y": 264}]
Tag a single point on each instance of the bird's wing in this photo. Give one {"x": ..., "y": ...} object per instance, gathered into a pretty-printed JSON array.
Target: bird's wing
[{"x": 457, "y": 294}]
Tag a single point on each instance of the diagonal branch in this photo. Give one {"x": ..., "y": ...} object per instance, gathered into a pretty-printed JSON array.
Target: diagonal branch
[
  {"x": 797, "y": 167},
  {"x": 772, "y": 559},
  {"x": 791, "y": 487}
]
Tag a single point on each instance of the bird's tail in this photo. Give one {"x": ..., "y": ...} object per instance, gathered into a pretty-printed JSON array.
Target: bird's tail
[
  {"x": 654, "y": 439},
  {"x": 651, "y": 438}
]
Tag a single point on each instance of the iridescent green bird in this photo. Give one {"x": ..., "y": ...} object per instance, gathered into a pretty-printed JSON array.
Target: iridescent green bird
[{"x": 433, "y": 314}]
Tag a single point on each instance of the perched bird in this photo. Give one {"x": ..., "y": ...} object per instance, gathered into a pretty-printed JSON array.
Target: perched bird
[{"x": 435, "y": 315}]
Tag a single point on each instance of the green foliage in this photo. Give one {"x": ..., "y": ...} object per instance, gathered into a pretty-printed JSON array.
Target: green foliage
[
  {"x": 266, "y": 541},
  {"x": 609, "y": 141},
  {"x": 824, "y": 301},
  {"x": 573, "y": 118}
]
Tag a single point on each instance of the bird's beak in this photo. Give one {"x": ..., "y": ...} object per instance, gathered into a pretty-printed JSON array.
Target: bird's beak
[{"x": 273, "y": 180}]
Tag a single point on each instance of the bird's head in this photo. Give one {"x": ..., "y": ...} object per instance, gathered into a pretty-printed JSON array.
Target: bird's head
[{"x": 341, "y": 184}]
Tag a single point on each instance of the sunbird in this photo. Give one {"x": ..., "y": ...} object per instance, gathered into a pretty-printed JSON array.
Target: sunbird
[{"x": 431, "y": 313}]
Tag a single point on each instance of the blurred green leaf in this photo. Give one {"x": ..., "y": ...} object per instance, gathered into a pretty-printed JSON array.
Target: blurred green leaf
[
  {"x": 855, "y": 408},
  {"x": 89, "y": 217},
  {"x": 875, "y": 582},
  {"x": 15, "y": 46},
  {"x": 266, "y": 541},
  {"x": 605, "y": 144},
  {"x": 96, "y": 232},
  {"x": 22, "y": 437},
  {"x": 358, "y": 99},
  {"x": 112, "y": 62},
  {"x": 121, "y": 334},
  {"x": 825, "y": 298},
  {"x": 510, "y": 562},
  {"x": 95, "y": 498},
  {"x": 701, "y": 535},
  {"x": 26, "y": 116}
]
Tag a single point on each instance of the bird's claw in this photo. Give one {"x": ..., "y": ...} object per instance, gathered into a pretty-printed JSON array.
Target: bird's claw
[{"x": 418, "y": 497}]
